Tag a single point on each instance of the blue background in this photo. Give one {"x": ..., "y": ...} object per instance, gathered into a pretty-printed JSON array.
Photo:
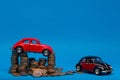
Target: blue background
[{"x": 74, "y": 28}]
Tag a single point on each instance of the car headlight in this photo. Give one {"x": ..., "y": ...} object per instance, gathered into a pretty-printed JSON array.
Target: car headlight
[{"x": 110, "y": 67}]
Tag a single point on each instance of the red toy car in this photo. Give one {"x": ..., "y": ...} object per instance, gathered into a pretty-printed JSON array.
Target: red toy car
[
  {"x": 32, "y": 45},
  {"x": 93, "y": 64}
]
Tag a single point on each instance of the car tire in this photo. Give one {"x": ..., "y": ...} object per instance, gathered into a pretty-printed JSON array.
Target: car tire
[
  {"x": 46, "y": 52},
  {"x": 97, "y": 71},
  {"x": 78, "y": 68},
  {"x": 19, "y": 49}
]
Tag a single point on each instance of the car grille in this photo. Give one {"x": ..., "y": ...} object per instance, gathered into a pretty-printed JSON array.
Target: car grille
[{"x": 107, "y": 68}]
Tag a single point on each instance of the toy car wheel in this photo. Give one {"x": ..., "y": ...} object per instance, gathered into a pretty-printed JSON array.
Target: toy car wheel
[
  {"x": 97, "y": 71},
  {"x": 78, "y": 68},
  {"x": 19, "y": 50},
  {"x": 46, "y": 52}
]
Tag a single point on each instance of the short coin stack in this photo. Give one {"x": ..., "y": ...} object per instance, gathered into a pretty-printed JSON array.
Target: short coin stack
[{"x": 23, "y": 66}]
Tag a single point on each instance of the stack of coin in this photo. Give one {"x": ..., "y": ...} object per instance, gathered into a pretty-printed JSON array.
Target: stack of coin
[
  {"x": 42, "y": 62},
  {"x": 23, "y": 54},
  {"x": 14, "y": 69},
  {"x": 50, "y": 69},
  {"x": 14, "y": 63},
  {"x": 14, "y": 58},
  {"x": 24, "y": 61},
  {"x": 51, "y": 60},
  {"x": 34, "y": 64},
  {"x": 51, "y": 63},
  {"x": 22, "y": 70},
  {"x": 23, "y": 64}
]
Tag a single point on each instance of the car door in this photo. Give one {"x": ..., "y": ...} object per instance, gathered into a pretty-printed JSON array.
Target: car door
[
  {"x": 26, "y": 44},
  {"x": 90, "y": 65},
  {"x": 34, "y": 46},
  {"x": 84, "y": 64}
]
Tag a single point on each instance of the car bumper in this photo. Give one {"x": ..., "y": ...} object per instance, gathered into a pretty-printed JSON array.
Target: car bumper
[{"x": 106, "y": 71}]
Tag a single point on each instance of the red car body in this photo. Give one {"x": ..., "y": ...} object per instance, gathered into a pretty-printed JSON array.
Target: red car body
[{"x": 32, "y": 45}]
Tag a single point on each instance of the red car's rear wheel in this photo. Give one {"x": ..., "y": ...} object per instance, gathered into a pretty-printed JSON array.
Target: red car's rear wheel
[
  {"x": 46, "y": 52},
  {"x": 19, "y": 49}
]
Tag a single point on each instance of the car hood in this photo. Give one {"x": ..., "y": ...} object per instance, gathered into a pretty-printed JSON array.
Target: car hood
[
  {"x": 15, "y": 45},
  {"x": 102, "y": 64},
  {"x": 44, "y": 45}
]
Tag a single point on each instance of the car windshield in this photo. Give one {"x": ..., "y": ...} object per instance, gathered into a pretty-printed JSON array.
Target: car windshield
[{"x": 97, "y": 59}]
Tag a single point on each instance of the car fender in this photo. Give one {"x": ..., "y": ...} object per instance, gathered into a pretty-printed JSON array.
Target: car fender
[
  {"x": 100, "y": 67},
  {"x": 77, "y": 65},
  {"x": 22, "y": 46},
  {"x": 45, "y": 49}
]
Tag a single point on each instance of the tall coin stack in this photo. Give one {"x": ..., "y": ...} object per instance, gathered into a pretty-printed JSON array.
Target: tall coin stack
[
  {"x": 23, "y": 65},
  {"x": 51, "y": 63},
  {"x": 14, "y": 62}
]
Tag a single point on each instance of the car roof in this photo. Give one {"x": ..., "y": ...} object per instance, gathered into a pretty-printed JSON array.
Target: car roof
[
  {"x": 91, "y": 57},
  {"x": 29, "y": 39}
]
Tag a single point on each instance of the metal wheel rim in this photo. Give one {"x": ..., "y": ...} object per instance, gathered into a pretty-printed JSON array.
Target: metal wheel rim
[
  {"x": 19, "y": 50},
  {"x": 78, "y": 68},
  {"x": 97, "y": 71},
  {"x": 46, "y": 53}
]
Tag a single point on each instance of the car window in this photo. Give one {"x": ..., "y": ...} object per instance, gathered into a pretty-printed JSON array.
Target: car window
[
  {"x": 98, "y": 60},
  {"x": 84, "y": 60},
  {"x": 26, "y": 41},
  {"x": 34, "y": 42},
  {"x": 89, "y": 60},
  {"x": 93, "y": 60}
]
